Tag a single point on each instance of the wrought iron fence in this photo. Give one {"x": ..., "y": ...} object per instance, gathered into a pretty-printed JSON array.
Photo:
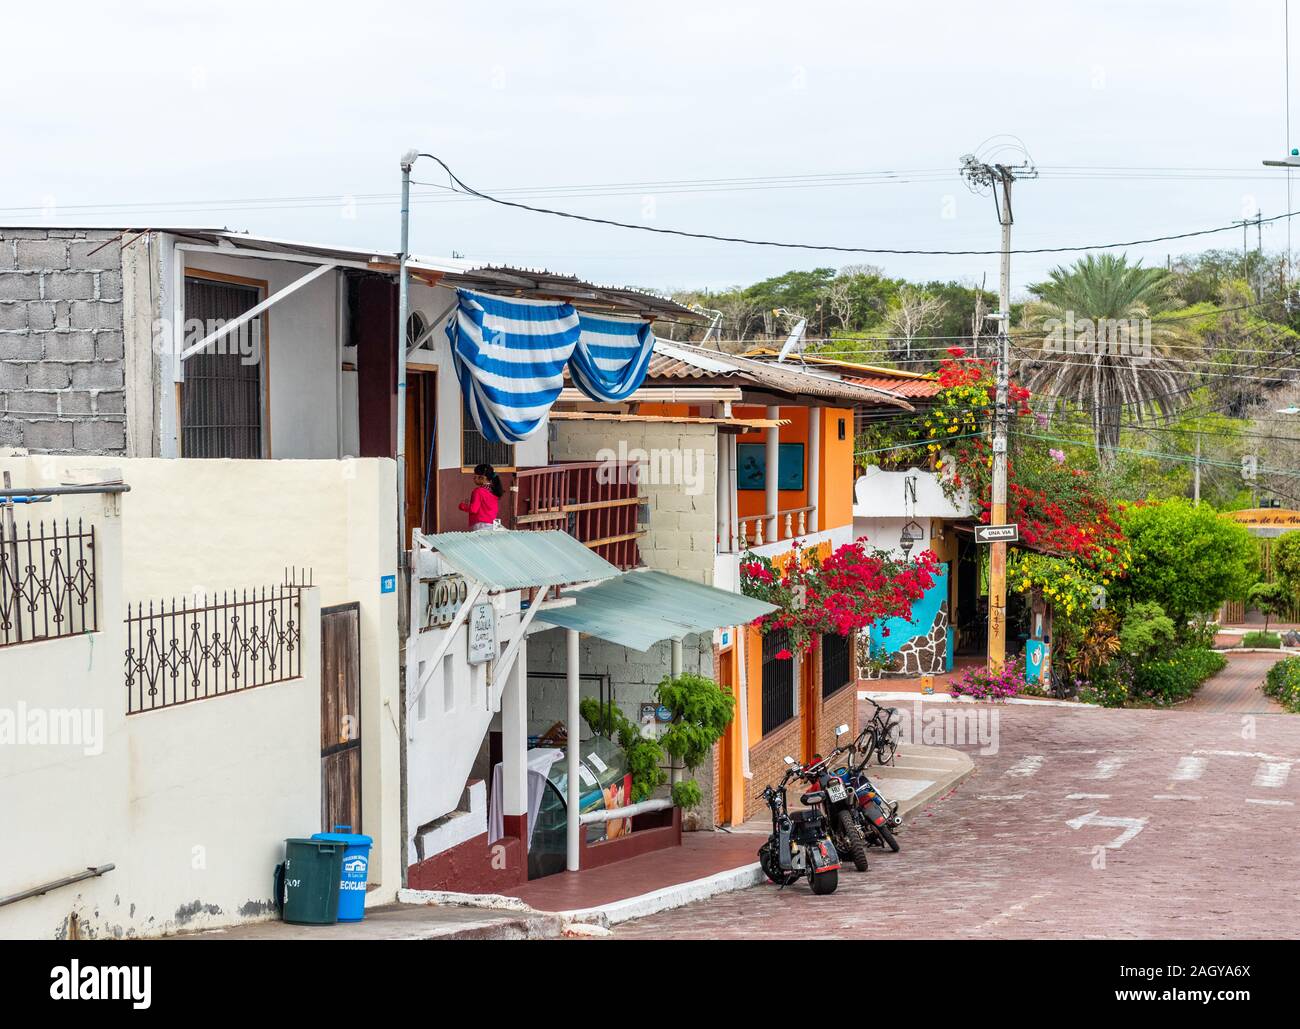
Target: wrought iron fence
[
  {"x": 177, "y": 652},
  {"x": 47, "y": 581}
]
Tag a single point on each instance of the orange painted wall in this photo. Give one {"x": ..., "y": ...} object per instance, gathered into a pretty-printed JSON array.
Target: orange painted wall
[{"x": 835, "y": 495}]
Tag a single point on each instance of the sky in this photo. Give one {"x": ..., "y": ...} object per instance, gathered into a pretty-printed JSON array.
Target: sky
[{"x": 288, "y": 120}]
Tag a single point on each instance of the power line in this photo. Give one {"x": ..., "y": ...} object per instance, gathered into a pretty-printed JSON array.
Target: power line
[{"x": 460, "y": 184}]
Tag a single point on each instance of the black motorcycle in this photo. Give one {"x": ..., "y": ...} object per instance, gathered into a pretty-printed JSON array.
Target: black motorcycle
[
  {"x": 800, "y": 844},
  {"x": 839, "y": 804},
  {"x": 877, "y": 817}
]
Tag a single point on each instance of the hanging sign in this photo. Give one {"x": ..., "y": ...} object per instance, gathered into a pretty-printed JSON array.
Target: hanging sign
[
  {"x": 997, "y": 533},
  {"x": 482, "y": 634}
]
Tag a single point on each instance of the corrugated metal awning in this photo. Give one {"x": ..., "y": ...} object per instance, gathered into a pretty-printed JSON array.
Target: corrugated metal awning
[
  {"x": 506, "y": 559},
  {"x": 639, "y": 609}
]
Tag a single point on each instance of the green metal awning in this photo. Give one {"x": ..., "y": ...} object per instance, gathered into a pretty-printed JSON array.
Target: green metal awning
[
  {"x": 639, "y": 609},
  {"x": 505, "y": 559}
]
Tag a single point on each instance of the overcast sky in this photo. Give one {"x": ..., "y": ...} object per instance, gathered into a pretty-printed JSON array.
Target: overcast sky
[{"x": 199, "y": 106}]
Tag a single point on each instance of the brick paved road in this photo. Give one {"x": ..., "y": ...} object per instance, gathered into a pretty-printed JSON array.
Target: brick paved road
[
  {"x": 1236, "y": 688},
  {"x": 977, "y": 867}
]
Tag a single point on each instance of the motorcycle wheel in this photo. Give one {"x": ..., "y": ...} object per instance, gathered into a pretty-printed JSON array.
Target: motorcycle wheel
[
  {"x": 824, "y": 883},
  {"x": 855, "y": 845},
  {"x": 771, "y": 868},
  {"x": 888, "y": 837}
]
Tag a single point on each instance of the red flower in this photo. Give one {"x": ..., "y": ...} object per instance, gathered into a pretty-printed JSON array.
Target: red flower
[{"x": 783, "y": 655}]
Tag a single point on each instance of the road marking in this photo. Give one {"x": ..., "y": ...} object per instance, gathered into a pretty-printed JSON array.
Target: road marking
[
  {"x": 1010, "y": 796},
  {"x": 1272, "y": 774},
  {"x": 1131, "y": 826},
  {"x": 1014, "y": 909},
  {"x": 1088, "y": 796},
  {"x": 1026, "y": 766},
  {"x": 1244, "y": 753},
  {"x": 1176, "y": 796},
  {"x": 1189, "y": 768},
  {"x": 1107, "y": 767},
  {"x": 1272, "y": 803}
]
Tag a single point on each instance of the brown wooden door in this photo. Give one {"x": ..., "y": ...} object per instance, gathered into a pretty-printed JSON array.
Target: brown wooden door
[
  {"x": 809, "y": 699},
  {"x": 421, "y": 461},
  {"x": 340, "y": 717}
]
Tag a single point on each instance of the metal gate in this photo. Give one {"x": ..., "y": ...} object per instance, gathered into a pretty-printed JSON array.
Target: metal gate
[{"x": 340, "y": 716}]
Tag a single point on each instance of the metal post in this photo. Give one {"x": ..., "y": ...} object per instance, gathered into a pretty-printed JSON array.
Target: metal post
[
  {"x": 773, "y": 497},
  {"x": 573, "y": 734},
  {"x": 1196, "y": 473},
  {"x": 514, "y": 738}
]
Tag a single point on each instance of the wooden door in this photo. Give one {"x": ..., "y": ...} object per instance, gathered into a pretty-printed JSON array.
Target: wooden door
[
  {"x": 809, "y": 699},
  {"x": 727, "y": 745},
  {"x": 421, "y": 459},
  {"x": 340, "y": 717}
]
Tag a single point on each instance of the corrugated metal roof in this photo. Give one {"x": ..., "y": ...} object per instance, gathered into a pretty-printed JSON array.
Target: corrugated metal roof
[
  {"x": 679, "y": 361},
  {"x": 507, "y": 559},
  {"x": 639, "y": 609},
  {"x": 830, "y": 361}
]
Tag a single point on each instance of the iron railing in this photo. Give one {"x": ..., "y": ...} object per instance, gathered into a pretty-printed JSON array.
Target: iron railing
[
  {"x": 836, "y": 672},
  {"x": 47, "y": 581},
  {"x": 595, "y": 502},
  {"x": 778, "y": 681},
  {"x": 177, "y": 652}
]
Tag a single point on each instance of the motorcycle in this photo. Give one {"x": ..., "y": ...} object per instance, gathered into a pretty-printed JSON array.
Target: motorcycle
[
  {"x": 799, "y": 844},
  {"x": 877, "y": 817},
  {"x": 839, "y": 804}
]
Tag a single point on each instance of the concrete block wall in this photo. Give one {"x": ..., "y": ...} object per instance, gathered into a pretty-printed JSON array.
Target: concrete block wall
[
  {"x": 61, "y": 341},
  {"x": 682, "y": 538}
]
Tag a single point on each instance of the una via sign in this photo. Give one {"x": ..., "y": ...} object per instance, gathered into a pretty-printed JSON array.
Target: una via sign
[
  {"x": 997, "y": 533},
  {"x": 482, "y": 634}
]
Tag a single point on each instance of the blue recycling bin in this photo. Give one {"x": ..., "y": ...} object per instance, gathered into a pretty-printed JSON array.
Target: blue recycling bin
[{"x": 356, "y": 871}]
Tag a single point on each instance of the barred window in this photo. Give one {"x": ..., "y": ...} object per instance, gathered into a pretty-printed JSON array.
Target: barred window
[
  {"x": 222, "y": 395},
  {"x": 778, "y": 682},
  {"x": 836, "y": 671}
]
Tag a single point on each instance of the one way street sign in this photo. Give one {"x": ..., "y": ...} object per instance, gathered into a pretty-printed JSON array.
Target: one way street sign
[{"x": 997, "y": 533}]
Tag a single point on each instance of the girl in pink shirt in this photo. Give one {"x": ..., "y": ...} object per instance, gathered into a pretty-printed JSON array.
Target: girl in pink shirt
[{"x": 484, "y": 503}]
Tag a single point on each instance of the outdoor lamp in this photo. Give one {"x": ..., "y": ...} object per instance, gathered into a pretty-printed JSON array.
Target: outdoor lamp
[{"x": 910, "y": 535}]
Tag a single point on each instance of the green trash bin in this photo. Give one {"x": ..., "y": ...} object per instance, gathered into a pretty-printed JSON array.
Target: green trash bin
[{"x": 307, "y": 887}]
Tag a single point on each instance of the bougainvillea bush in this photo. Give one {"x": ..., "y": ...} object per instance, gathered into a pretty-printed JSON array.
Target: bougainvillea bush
[
  {"x": 852, "y": 588},
  {"x": 981, "y": 684}
]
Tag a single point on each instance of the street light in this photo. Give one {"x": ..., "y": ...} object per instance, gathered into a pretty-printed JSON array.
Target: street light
[{"x": 909, "y": 537}]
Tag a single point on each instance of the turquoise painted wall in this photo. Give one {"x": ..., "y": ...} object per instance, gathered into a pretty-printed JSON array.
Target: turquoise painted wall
[{"x": 923, "y": 611}]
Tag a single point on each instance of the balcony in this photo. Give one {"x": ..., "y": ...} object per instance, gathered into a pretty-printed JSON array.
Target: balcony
[{"x": 595, "y": 502}]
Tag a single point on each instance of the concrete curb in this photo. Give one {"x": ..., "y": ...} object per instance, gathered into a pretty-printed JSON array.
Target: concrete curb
[
  {"x": 489, "y": 901},
  {"x": 667, "y": 898},
  {"x": 946, "y": 698}
]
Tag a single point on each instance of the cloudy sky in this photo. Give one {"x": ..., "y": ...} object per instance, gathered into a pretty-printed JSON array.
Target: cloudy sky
[{"x": 1145, "y": 119}]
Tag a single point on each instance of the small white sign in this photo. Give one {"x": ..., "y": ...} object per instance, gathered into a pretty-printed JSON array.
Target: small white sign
[
  {"x": 997, "y": 533},
  {"x": 482, "y": 634}
]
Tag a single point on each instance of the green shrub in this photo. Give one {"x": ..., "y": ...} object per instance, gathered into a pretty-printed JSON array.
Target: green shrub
[
  {"x": 1145, "y": 630},
  {"x": 644, "y": 754},
  {"x": 1283, "y": 683},
  {"x": 701, "y": 711},
  {"x": 1174, "y": 676},
  {"x": 1261, "y": 639}
]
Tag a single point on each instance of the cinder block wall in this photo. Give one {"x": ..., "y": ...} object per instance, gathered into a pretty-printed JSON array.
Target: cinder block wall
[
  {"x": 61, "y": 343},
  {"x": 682, "y": 538}
]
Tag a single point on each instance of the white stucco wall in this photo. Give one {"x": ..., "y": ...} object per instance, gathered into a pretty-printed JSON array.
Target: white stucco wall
[
  {"x": 190, "y": 803},
  {"x": 881, "y": 494},
  {"x": 211, "y": 525}
]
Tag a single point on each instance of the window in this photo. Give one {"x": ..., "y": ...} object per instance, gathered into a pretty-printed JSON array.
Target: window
[
  {"x": 222, "y": 396},
  {"x": 835, "y": 662},
  {"x": 475, "y": 448},
  {"x": 778, "y": 682}
]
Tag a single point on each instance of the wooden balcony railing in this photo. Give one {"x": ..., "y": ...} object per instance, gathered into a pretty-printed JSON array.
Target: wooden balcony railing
[{"x": 595, "y": 502}]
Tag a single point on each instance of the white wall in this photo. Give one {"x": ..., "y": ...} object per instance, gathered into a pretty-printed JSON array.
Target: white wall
[
  {"x": 881, "y": 494},
  {"x": 191, "y": 803},
  {"x": 301, "y": 342},
  {"x": 211, "y": 525}
]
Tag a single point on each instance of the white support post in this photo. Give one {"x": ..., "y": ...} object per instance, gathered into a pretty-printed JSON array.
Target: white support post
[
  {"x": 773, "y": 469},
  {"x": 814, "y": 466},
  {"x": 573, "y": 734},
  {"x": 514, "y": 738}
]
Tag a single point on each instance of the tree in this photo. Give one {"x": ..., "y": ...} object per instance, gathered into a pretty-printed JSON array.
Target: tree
[
  {"x": 1269, "y": 599},
  {"x": 1186, "y": 557},
  {"x": 1106, "y": 343},
  {"x": 913, "y": 312},
  {"x": 1286, "y": 562},
  {"x": 700, "y": 710}
]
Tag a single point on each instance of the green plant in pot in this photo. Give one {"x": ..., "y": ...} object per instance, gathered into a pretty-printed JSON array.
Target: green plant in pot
[{"x": 701, "y": 710}]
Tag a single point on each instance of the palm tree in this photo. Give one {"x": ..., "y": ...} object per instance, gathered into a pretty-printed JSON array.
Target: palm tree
[{"x": 1107, "y": 336}]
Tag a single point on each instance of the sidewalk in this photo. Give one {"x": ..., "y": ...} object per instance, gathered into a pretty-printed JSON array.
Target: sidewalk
[{"x": 706, "y": 864}]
